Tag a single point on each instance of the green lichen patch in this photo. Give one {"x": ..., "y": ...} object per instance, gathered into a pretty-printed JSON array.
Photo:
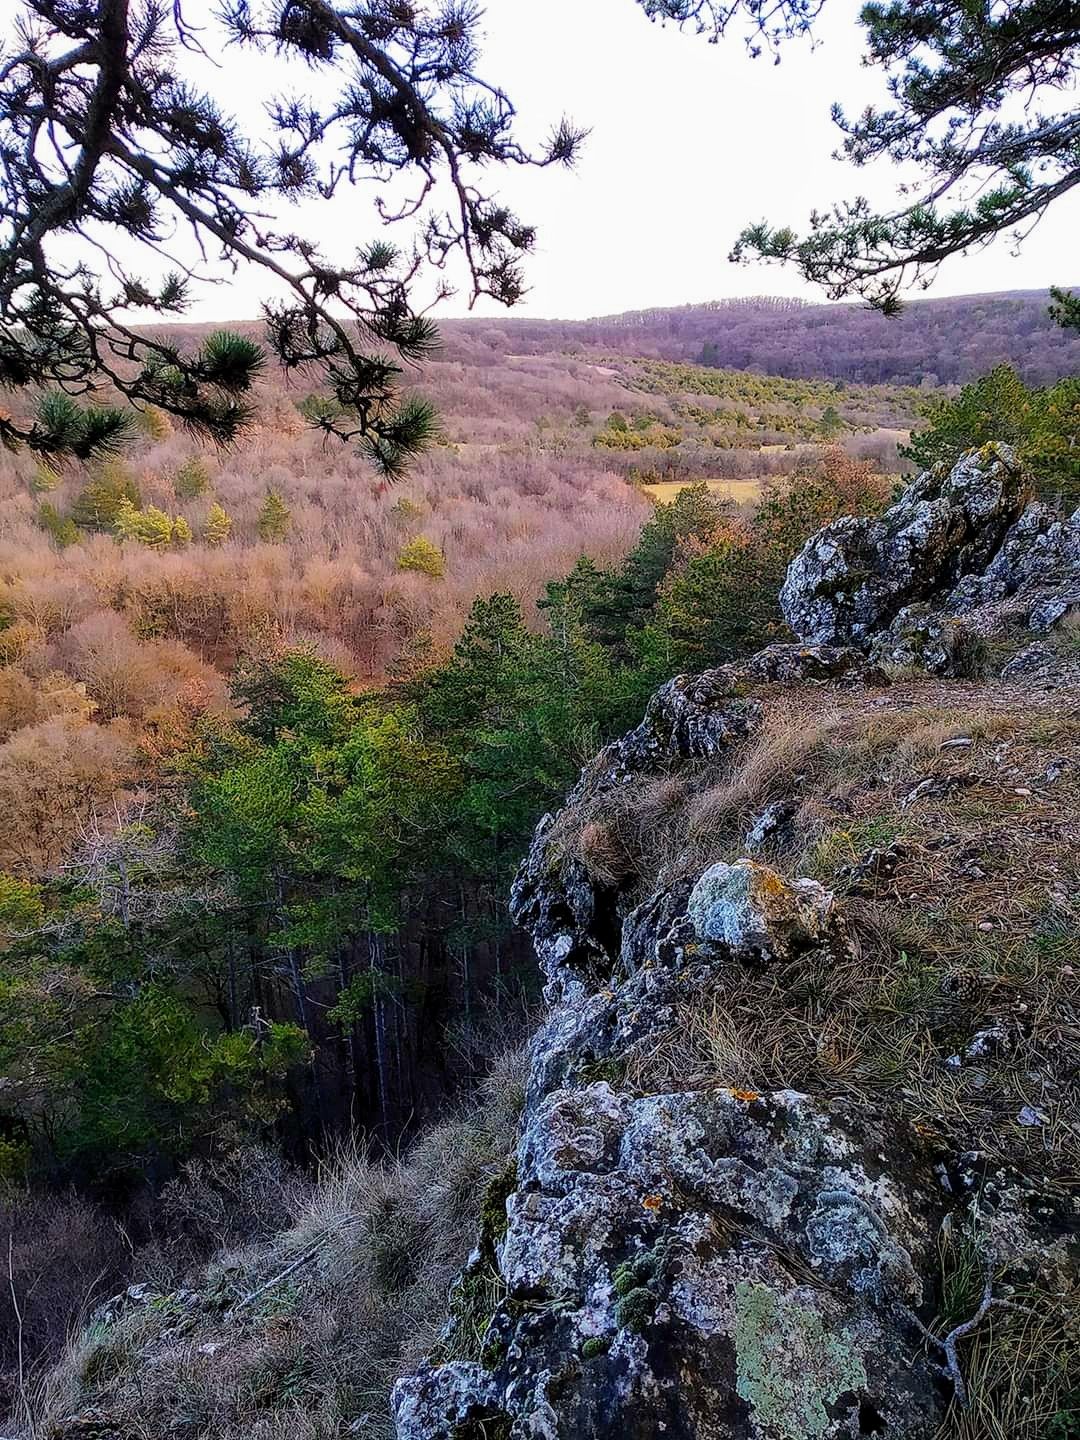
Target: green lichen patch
[
  {"x": 635, "y": 1309},
  {"x": 594, "y": 1347},
  {"x": 788, "y": 1367}
]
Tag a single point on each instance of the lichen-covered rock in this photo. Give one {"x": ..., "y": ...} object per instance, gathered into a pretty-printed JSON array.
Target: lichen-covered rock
[
  {"x": 855, "y": 575},
  {"x": 956, "y": 560},
  {"x": 772, "y": 828},
  {"x": 692, "y": 717},
  {"x": 1042, "y": 544},
  {"x": 748, "y": 909},
  {"x": 684, "y": 1260},
  {"x": 807, "y": 664},
  {"x": 1047, "y": 613},
  {"x": 710, "y": 1263},
  {"x": 1038, "y": 665},
  {"x": 931, "y": 641},
  {"x": 572, "y": 922}
]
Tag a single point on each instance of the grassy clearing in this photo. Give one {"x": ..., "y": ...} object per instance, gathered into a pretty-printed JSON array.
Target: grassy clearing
[{"x": 743, "y": 492}]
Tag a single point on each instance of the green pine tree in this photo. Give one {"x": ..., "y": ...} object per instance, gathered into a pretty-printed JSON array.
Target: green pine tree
[
  {"x": 192, "y": 479},
  {"x": 217, "y": 525},
  {"x": 96, "y": 506},
  {"x": 274, "y": 519}
]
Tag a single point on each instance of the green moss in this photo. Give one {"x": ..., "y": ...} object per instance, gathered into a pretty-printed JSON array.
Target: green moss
[
  {"x": 493, "y": 1217},
  {"x": 787, "y": 1366},
  {"x": 473, "y": 1303},
  {"x": 635, "y": 1309},
  {"x": 624, "y": 1280},
  {"x": 493, "y": 1353},
  {"x": 595, "y": 1346},
  {"x": 636, "y": 1282},
  {"x": 609, "y": 1068}
]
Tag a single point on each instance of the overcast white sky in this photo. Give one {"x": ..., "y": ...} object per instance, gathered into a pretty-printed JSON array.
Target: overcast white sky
[{"x": 689, "y": 142}]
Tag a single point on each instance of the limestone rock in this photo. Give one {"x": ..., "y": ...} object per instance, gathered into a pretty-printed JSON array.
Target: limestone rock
[
  {"x": 922, "y": 637},
  {"x": 681, "y": 1260},
  {"x": 1040, "y": 544},
  {"x": 690, "y": 717},
  {"x": 1038, "y": 665},
  {"x": 750, "y": 910},
  {"x": 773, "y": 827},
  {"x": 807, "y": 664},
  {"x": 708, "y": 1263},
  {"x": 855, "y": 575}
]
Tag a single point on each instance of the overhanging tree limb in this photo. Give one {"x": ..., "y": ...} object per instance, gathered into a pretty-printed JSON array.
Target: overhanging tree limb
[
  {"x": 111, "y": 148},
  {"x": 954, "y": 70}
]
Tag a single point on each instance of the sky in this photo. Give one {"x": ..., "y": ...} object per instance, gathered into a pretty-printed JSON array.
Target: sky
[
  {"x": 691, "y": 141},
  {"x": 688, "y": 143}
]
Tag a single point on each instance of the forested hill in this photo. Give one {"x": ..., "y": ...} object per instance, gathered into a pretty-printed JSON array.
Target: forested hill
[{"x": 949, "y": 341}]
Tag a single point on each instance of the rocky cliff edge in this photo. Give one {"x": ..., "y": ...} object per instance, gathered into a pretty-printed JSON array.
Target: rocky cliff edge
[{"x": 802, "y": 1110}]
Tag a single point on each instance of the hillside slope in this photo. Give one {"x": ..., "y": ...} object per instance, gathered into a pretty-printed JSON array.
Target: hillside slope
[
  {"x": 950, "y": 340},
  {"x": 798, "y": 1147}
]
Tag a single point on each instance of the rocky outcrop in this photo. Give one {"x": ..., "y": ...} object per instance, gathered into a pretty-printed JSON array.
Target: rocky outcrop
[
  {"x": 698, "y": 1261},
  {"x": 959, "y": 557},
  {"x": 855, "y": 575},
  {"x": 712, "y": 1263}
]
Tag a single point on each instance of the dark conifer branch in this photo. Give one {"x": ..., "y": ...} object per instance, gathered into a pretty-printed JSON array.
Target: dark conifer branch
[
  {"x": 103, "y": 134},
  {"x": 952, "y": 69}
]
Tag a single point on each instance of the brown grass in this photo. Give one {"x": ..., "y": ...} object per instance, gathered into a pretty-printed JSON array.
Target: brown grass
[
  {"x": 303, "y": 1335},
  {"x": 960, "y": 868}
]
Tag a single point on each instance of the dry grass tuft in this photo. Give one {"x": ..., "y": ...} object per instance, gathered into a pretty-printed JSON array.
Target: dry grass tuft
[
  {"x": 950, "y": 830},
  {"x": 302, "y": 1337}
]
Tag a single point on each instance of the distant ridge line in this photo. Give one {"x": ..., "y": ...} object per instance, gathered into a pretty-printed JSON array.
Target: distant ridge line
[
  {"x": 781, "y": 303},
  {"x": 735, "y": 302}
]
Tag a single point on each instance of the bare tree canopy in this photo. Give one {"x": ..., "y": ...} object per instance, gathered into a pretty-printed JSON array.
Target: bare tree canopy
[
  {"x": 955, "y": 71},
  {"x": 115, "y": 161}
]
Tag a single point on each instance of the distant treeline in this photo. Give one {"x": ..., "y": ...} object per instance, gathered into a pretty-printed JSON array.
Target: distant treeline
[{"x": 940, "y": 341}]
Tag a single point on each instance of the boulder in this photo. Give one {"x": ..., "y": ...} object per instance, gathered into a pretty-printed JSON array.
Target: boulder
[{"x": 853, "y": 577}]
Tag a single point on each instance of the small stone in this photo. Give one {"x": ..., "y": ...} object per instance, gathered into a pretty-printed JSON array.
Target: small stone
[
  {"x": 1029, "y": 1116},
  {"x": 987, "y": 925}
]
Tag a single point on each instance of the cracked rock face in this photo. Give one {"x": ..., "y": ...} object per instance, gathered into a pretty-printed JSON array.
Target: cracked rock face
[
  {"x": 700, "y": 1262},
  {"x": 711, "y": 1263},
  {"x": 855, "y": 575},
  {"x": 957, "y": 558}
]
